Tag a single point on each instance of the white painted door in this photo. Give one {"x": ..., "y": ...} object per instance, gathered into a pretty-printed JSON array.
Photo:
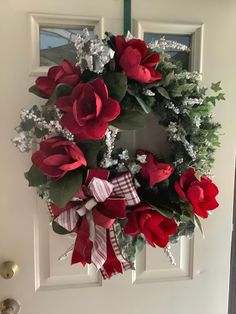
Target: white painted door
[{"x": 199, "y": 282}]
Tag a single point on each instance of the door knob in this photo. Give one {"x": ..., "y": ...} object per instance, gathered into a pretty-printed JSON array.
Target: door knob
[
  {"x": 8, "y": 269},
  {"x": 9, "y": 306}
]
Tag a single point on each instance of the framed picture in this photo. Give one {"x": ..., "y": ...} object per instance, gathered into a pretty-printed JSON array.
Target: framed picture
[
  {"x": 52, "y": 38},
  {"x": 190, "y": 35}
]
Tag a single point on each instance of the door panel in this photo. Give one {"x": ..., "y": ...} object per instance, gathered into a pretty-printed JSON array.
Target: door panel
[{"x": 198, "y": 284}]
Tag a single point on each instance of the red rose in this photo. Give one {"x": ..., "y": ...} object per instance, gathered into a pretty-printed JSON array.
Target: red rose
[
  {"x": 64, "y": 73},
  {"x": 135, "y": 61},
  {"x": 56, "y": 156},
  {"x": 155, "y": 227},
  {"x": 88, "y": 110},
  {"x": 153, "y": 170},
  {"x": 200, "y": 193}
]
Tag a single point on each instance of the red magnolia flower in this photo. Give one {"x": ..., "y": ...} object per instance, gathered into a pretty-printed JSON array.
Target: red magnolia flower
[
  {"x": 56, "y": 156},
  {"x": 200, "y": 193},
  {"x": 153, "y": 170},
  {"x": 135, "y": 61},
  {"x": 88, "y": 110},
  {"x": 155, "y": 227},
  {"x": 64, "y": 73}
]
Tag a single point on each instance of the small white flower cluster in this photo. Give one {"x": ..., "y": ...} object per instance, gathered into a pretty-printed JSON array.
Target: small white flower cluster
[
  {"x": 134, "y": 168},
  {"x": 148, "y": 92},
  {"x": 142, "y": 158},
  {"x": 190, "y": 102},
  {"x": 170, "y": 105},
  {"x": 25, "y": 138},
  {"x": 167, "y": 251},
  {"x": 110, "y": 138},
  {"x": 163, "y": 44},
  {"x": 92, "y": 54},
  {"x": 178, "y": 134},
  {"x": 23, "y": 141},
  {"x": 197, "y": 121},
  {"x": 124, "y": 155},
  {"x": 195, "y": 76}
]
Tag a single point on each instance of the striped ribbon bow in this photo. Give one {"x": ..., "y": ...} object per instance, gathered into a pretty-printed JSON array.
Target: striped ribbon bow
[{"x": 99, "y": 203}]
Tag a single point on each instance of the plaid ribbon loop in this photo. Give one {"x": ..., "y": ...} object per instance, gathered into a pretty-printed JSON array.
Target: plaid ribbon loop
[{"x": 114, "y": 195}]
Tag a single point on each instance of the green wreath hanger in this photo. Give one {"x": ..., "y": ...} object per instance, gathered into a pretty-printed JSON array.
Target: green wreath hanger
[{"x": 111, "y": 201}]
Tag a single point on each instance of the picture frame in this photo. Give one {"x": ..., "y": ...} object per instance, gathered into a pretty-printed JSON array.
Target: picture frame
[
  {"x": 60, "y": 26},
  {"x": 195, "y": 30}
]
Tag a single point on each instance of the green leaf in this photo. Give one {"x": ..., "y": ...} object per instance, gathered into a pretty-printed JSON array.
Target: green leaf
[
  {"x": 34, "y": 90},
  {"x": 59, "y": 229},
  {"x": 216, "y": 86},
  {"x": 35, "y": 177},
  {"x": 60, "y": 90},
  {"x": 179, "y": 90},
  {"x": 130, "y": 120},
  {"x": 221, "y": 96},
  {"x": 88, "y": 76},
  {"x": 146, "y": 107},
  {"x": 91, "y": 150},
  {"x": 117, "y": 84},
  {"x": 168, "y": 78},
  {"x": 198, "y": 223},
  {"x": 63, "y": 190},
  {"x": 163, "y": 211},
  {"x": 163, "y": 92}
]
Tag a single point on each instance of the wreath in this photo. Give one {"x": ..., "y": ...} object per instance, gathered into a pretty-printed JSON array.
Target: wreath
[{"x": 111, "y": 201}]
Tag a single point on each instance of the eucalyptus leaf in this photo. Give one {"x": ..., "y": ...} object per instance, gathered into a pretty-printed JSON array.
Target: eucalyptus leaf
[
  {"x": 34, "y": 90},
  {"x": 60, "y": 90},
  {"x": 59, "y": 229},
  {"x": 35, "y": 177},
  {"x": 116, "y": 83},
  {"x": 163, "y": 92},
  {"x": 130, "y": 120},
  {"x": 198, "y": 223},
  {"x": 63, "y": 190}
]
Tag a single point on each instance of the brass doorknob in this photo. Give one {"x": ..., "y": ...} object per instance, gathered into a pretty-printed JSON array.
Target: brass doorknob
[
  {"x": 9, "y": 306},
  {"x": 8, "y": 269}
]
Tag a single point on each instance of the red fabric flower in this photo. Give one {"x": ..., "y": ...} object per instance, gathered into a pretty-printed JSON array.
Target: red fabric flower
[
  {"x": 88, "y": 110},
  {"x": 56, "y": 156},
  {"x": 64, "y": 73},
  {"x": 153, "y": 170},
  {"x": 155, "y": 227},
  {"x": 200, "y": 193},
  {"x": 135, "y": 61}
]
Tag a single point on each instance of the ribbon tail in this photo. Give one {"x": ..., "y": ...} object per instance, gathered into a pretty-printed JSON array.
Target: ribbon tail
[
  {"x": 115, "y": 263},
  {"x": 99, "y": 250},
  {"x": 83, "y": 245}
]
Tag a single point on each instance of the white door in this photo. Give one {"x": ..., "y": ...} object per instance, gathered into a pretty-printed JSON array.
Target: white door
[{"x": 199, "y": 282}]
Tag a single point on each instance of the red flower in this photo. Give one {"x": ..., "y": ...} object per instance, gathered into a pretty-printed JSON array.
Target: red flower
[
  {"x": 56, "y": 156},
  {"x": 64, "y": 73},
  {"x": 88, "y": 110},
  {"x": 153, "y": 170},
  {"x": 155, "y": 227},
  {"x": 135, "y": 61},
  {"x": 200, "y": 193}
]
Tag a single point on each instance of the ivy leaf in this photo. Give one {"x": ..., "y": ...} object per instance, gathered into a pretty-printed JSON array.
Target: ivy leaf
[
  {"x": 62, "y": 191},
  {"x": 179, "y": 90},
  {"x": 221, "y": 96},
  {"x": 163, "y": 92},
  {"x": 129, "y": 120},
  {"x": 35, "y": 177},
  {"x": 59, "y": 229},
  {"x": 117, "y": 84},
  {"x": 60, "y": 90},
  {"x": 216, "y": 86},
  {"x": 34, "y": 90}
]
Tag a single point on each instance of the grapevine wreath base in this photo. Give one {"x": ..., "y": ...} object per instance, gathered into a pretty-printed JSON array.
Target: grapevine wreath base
[{"x": 113, "y": 202}]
